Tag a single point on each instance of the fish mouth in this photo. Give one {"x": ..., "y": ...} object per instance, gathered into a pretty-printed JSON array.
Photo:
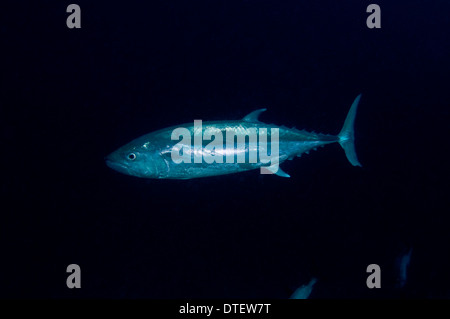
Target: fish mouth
[{"x": 117, "y": 166}]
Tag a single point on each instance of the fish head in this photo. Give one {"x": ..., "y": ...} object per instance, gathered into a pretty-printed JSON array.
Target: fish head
[{"x": 138, "y": 159}]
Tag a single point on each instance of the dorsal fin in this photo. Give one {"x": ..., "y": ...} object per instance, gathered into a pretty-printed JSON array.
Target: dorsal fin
[{"x": 253, "y": 116}]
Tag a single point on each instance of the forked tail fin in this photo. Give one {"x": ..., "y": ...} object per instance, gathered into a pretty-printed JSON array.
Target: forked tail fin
[{"x": 347, "y": 134}]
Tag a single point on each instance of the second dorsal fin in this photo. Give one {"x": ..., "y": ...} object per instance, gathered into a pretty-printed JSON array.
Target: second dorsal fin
[{"x": 253, "y": 116}]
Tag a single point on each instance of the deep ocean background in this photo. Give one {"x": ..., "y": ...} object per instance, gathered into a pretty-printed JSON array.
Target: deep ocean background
[{"x": 69, "y": 97}]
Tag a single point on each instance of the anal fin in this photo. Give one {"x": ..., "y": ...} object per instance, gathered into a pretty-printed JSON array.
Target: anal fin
[{"x": 274, "y": 169}]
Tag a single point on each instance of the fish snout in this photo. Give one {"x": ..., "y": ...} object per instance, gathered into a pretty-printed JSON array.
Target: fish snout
[{"x": 116, "y": 164}]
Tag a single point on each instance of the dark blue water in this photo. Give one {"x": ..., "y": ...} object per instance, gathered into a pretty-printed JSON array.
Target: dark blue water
[{"x": 69, "y": 97}]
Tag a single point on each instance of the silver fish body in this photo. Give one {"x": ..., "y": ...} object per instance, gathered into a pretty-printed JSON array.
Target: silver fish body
[{"x": 151, "y": 155}]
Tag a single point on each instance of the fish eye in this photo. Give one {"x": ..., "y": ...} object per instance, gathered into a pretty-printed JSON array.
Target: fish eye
[{"x": 131, "y": 156}]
